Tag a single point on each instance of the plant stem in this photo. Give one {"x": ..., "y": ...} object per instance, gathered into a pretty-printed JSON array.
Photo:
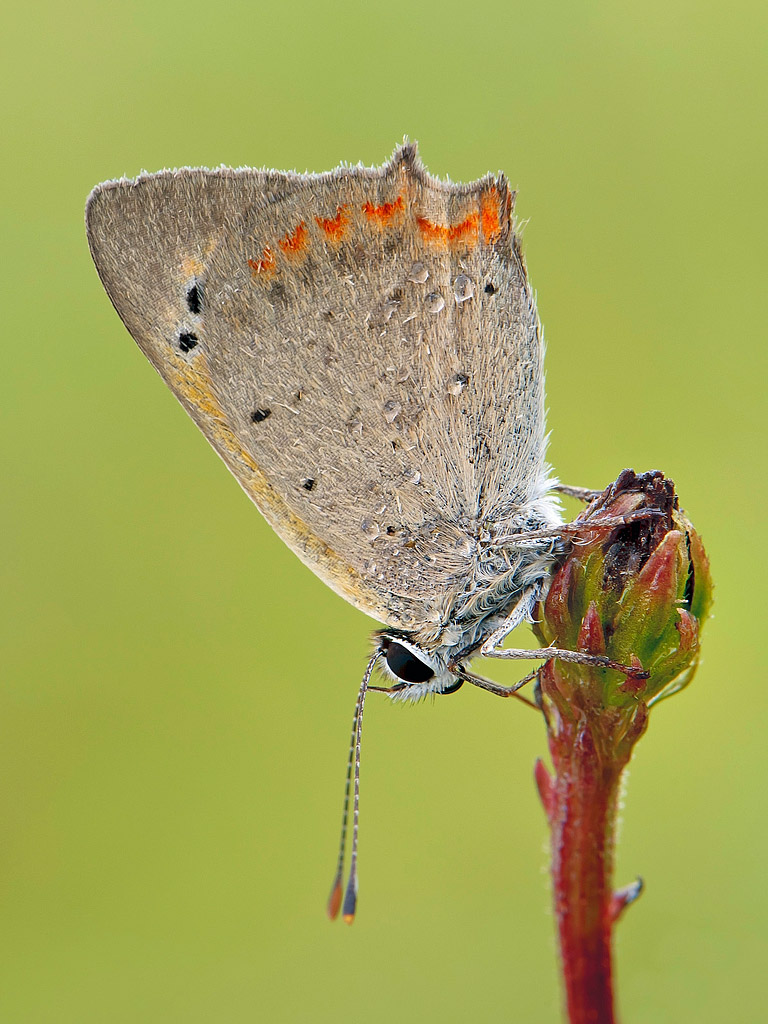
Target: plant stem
[
  {"x": 636, "y": 594},
  {"x": 589, "y": 749}
]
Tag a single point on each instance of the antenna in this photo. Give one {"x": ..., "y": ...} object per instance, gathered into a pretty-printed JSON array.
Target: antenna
[{"x": 353, "y": 759}]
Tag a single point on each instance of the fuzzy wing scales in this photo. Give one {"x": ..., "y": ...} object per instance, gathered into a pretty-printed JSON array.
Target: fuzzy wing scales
[{"x": 361, "y": 348}]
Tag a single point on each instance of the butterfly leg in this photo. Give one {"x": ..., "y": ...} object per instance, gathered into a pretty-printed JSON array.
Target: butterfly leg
[
  {"x": 572, "y": 530},
  {"x": 580, "y": 493},
  {"x": 520, "y": 613},
  {"x": 389, "y": 689},
  {"x": 496, "y": 688}
]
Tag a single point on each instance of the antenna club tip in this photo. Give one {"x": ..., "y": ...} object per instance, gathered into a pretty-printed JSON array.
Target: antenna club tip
[
  {"x": 334, "y": 900},
  {"x": 350, "y": 901}
]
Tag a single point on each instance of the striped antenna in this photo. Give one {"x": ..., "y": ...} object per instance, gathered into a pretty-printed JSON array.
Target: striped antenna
[{"x": 353, "y": 759}]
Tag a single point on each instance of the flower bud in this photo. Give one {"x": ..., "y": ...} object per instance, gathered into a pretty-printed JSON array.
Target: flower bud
[{"x": 634, "y": 586}]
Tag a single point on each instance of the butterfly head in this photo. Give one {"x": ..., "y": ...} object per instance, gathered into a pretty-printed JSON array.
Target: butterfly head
[{"x": 413, "y": 671}]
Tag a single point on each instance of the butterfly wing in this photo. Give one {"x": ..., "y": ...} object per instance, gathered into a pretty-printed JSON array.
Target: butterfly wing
[{"x": 360, "y": 347}]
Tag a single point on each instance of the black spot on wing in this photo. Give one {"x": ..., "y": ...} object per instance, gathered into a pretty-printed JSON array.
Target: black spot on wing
[
  {"x": 194, "y": 298},
  {"x": 187, "y": 341},
  {"x": 259, "y": 415}
]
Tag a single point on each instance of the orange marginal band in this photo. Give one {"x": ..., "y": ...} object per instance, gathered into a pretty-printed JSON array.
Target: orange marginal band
[
  {"x": 334, "y": 227},
  {"x": 292, "y": 244},
  {"x": 265, "y": 264},
  {"x": 383, "y": 214},
  {"x": 489, "y": 207},
  {"x": 464, "y": 231}
]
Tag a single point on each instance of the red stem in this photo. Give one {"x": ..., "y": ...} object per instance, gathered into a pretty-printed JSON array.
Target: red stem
[{"x": 582, "y": 805}]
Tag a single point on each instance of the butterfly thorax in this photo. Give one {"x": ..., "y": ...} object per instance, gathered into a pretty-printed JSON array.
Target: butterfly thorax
[{"x": 497, "y": 571}]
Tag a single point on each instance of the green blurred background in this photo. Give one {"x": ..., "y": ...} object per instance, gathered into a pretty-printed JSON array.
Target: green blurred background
[{"x": 175, "y": 701}]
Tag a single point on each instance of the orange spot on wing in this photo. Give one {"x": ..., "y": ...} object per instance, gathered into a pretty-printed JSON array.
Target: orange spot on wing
[
  {"x": 432, "y": 232},
  {"x": 334, "y": 227},
  {"x": 265, "y": 264},
  {"x": 292, "y": 244},
  {"x": 450, "y": 234},
  {"x": 465, "y": 230},
  {"x": 383, "y": 214},
  {"x": 489, "y": 212}
]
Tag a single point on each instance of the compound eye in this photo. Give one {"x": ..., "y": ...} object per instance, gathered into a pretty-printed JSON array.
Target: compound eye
[{"x": 405, "y": 665}]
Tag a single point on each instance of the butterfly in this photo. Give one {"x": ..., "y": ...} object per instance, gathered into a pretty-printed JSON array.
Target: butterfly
[{"x": 363, "y": 351}]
